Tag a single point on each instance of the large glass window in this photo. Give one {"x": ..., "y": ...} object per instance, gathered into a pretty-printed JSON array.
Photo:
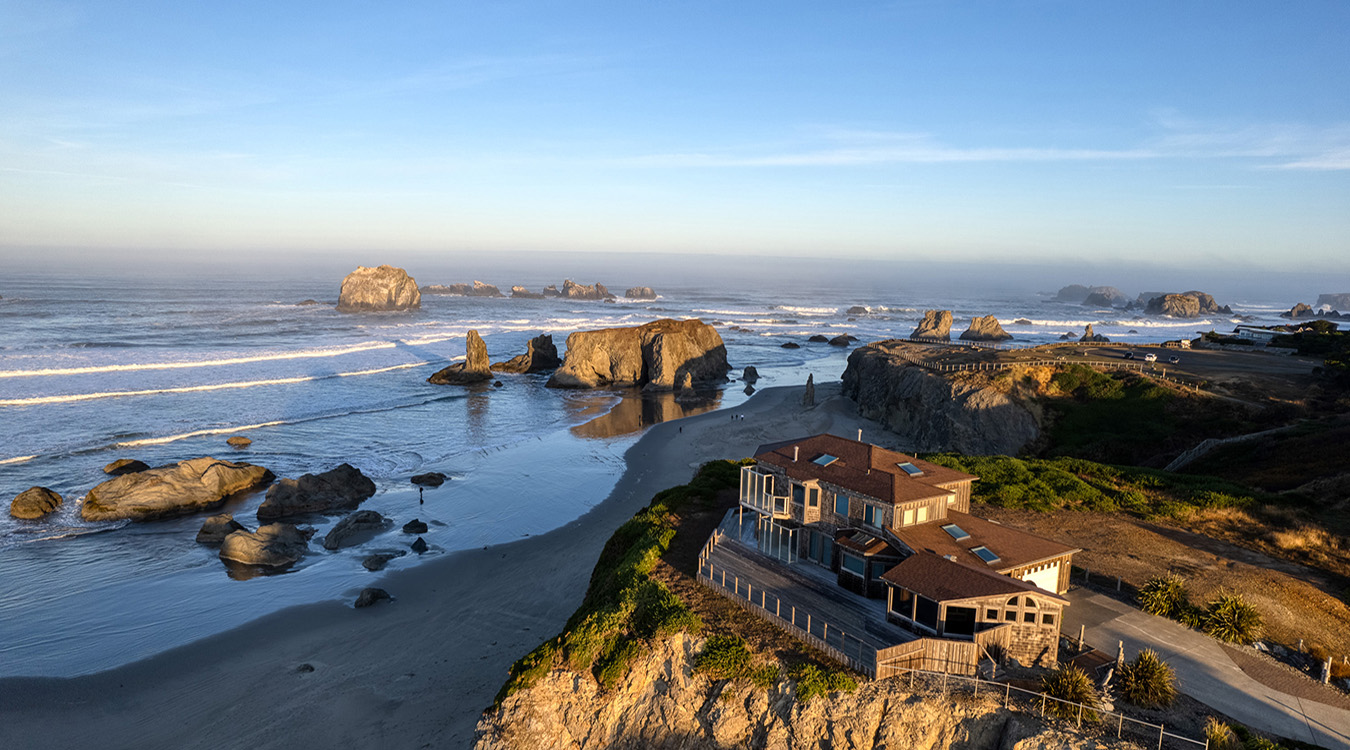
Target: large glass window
[
  {"x": 922, "y": 514},
  {"x": 798, "y": 494},
  {"x": 813, "y": 496},
  {"x": 901, "y": 601},
  {"x": 926, "y": 613},
  {"x": 872, "y": 515},
  {"x": 841, "y": 505},
  {"x": 854, "y": 564},
  {"x": 909, "y": 517}
]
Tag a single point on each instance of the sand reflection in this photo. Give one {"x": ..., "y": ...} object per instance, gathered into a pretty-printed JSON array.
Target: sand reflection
[{"x": 637, "y": 409}]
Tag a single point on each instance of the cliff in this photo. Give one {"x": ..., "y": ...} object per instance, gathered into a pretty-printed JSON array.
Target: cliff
[
  {"x": 663, "y": 704},
  {"x": 378, "y": 289},
  {"x": 660, "y": 355},
  {"x": 961, "y": 412}
]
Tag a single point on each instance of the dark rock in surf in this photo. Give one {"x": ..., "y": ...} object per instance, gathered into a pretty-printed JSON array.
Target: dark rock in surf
[
  {"x": 640, "y": 292},
  {"x": 856, "y": 310},
  {"x": 342, "y": 488},
  {"x": 306, "y": 302},
  {"x": 750, "y": 374},
  {"x": 173, "y": 490},
  {"x": 415, "y": 526},
  {"x": 818, "y": 339},
  {"x": 378, "y": 561},
  {"x": 355, "y": 529},
  {"x": 370, "y": 596},
  {"x": 34, "y": 503},
  {"x": 791, "y": 345},
  {"x": 238, "y": 441},
  {"x": 474, "y": 369},
  {"x": 419, "y": 546},
  {"x": 573, "y": 290},
  {"x": 540, "y": 355},
  {"x": 429, "y": 479},
  {"x": 125, "y": 466},
  {"x": 217, "y": 527},
  {"x": 273, "y": 545},
  {"x": 985, "y": 329},
  {"x": 1088, "y": 335}
]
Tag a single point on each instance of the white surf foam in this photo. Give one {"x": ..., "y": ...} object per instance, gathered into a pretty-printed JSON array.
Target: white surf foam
[{"x": 301, "y": 354}]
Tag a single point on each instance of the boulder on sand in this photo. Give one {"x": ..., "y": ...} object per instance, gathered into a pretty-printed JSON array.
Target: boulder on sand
[
  {"x": 656, "y": 355},
  {"x": 378, "y": 289},
  {"x": 342, "y": 488},
  {"x": 125, "y": 466},
  {"x": 354, "y": 529},
  {"x": 936, "y": 324},
  {"x": 372, "y": 595},
  {"x": 985, "y": 328},
  {"x": 540, "y": 355},
  {"x": 173, "y": 490},
  {"x": 34, "y": 502},
  {"x": 217, "y": 527},
  {"x": 378, "y": 560},
  {"x": 474, "y": 369},
  {"x": 273, "y": 545}
]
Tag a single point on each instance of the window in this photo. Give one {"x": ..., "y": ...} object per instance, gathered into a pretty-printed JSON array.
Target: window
[
  {"x": 854, "y": 565},
  {"x": 909, "y": 517},
  {"x": 1029, "y": 617},
  {"x": 813, "y": 497},
  {"x": 910, "y": 469},
  {"x": 798, "y": 494},
  {"x": 841, "y": 504},
  {"x": 958, "y": 533},
  {"x": 1012, "y": 602},
  {"x": 1010, "y": 615},
  {"x": 901, "y": 601},
  {"x": 824, "y": 459},
  {"x": 991, "y": 614},
  {"x": 1047, "y": 619},
  {"x": 879, "y": 568},
  {"x": 872, "y": 515},
  {"x": 922, "y": 515},
  {"x": 984, "y": 553}
]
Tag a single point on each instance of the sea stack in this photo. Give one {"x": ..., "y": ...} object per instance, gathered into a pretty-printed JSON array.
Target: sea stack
[
  {"x": 985, "y": 329},
  {"x": 379, "y": 289},
  {"x": 655, "y": 355},
  {"x": 474, "y": 369},
  {"x": 540, "y": 355},
  {"x": 936, "y": 324}
]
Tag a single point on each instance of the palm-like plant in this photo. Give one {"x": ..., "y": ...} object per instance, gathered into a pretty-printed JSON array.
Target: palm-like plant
[
  {"x": 1071, "y": 684},
  {"x": 1230, "y": 618},
  {"x": 1148, "y": 681},
  {"x": 1164, "y": 596}
]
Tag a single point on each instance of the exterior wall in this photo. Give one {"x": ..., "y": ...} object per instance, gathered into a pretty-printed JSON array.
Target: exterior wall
[
  {"x": 1033, "y": 643},
  {"x": 962, "y": 490},
  {"x": 1064, "y": 563},
  {"x": 936, "y": 507}
]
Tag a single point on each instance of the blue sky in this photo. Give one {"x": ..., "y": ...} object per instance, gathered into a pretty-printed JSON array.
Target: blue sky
[{"x": 1172, "y": 133}]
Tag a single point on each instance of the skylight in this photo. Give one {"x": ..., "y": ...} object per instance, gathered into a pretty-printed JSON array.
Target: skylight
[
  {"x": 910, "y": 469},
  {"x": 824, "y": 459},
  {"x": 986, "y": 554},
  {"x": 958, "y": 533}
]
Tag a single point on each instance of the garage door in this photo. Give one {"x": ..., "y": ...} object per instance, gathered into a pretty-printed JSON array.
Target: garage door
[{"x": 1047, "y": 579}]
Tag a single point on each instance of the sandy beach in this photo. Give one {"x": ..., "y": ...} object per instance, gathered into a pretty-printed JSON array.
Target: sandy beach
[{"x": 414, "y": 673}]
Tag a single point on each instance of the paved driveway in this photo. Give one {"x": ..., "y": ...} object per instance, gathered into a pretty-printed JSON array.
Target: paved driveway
[{"x": 1204, "y": 671}]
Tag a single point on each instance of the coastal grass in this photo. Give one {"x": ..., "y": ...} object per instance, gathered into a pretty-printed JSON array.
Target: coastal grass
[
  {"x": 813, "y": 680},
  {"x": 1148, "y": 681},
  {"x": 625, "y": 607},
  {"x": 1069, "y": 683},
  {"x": 1050, "y": 484},
  {"x": 727, "y": 657}
]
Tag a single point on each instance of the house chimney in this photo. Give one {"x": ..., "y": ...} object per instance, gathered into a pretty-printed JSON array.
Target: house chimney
[
  {"x": 795, "y": 449},
  {"x": 860, "y": 434}
]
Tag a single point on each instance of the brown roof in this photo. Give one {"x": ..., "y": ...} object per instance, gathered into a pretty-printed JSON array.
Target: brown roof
[
  {"x": 861, "y": 468},
  {"x": 1014, "y": 547},
  {"x": 941, "y": 580},
  {"x": 865, "y": 544}
]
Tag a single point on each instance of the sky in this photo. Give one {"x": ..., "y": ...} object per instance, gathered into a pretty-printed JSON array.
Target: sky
[{"x": 1167, "y": 134}]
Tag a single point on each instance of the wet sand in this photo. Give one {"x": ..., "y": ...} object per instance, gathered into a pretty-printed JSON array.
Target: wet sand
[{"x": 412, "y": 673}]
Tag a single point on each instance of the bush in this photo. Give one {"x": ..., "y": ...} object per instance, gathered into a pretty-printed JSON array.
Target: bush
[
  {"x": 726, "y": 657},
  {"x": 1230, "y": 618},
  {"x": 1069, "y": 683},
  {"x": 1164, "y": 596},
  {"x": 1221, "y": 736},
  {"x": 1148, "y": 681},
  {"x": 812, "y": 681}
]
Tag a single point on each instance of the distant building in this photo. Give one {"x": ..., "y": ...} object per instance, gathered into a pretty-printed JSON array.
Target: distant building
[{"x": 896, "y": 527}]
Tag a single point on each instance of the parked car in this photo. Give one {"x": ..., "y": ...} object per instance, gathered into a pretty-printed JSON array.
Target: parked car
[
  {"x": 1150, "y": 357},
  {"x": 1174, "y": 360},
  {"x": 1129, "y": 355}
]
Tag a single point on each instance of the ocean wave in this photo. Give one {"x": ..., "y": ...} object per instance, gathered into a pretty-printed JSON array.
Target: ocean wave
[
  {"x": 68, "y": 398},
  {"x": 17, "y": 459},
  {"x": 806, "y": 310},
  {"x": 301, "y": 354}
]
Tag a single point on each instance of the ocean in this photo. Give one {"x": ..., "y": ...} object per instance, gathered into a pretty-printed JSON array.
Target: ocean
[{"x": 94, "y": 369}]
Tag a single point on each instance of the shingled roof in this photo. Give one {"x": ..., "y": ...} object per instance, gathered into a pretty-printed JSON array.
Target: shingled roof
[
  {"x": 1014, "y": 547},
  {"x": 943, "y": 580},
  {"x": 860, "y": 467}
]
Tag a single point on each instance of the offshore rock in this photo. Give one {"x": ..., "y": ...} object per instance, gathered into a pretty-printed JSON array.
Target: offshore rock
[
  {"x": 1300, "y": 310},
  {"x": 1334, "y": 301},
  {"x": 985, "y": 329},
  {"x": 1174, "y": 305},
  {"x": 573, "y": 290},
  {"x": 790, "y": 345},
  {"x": 1088, "y": 335},
  {"x": 355, "y": 529},
  {"x": 474, "y": 369},
  {"x": 34, "y": 502},
  {"x": 936, "y": 324},
  {"x": 125, "y": 466},
  {"x": 843, "y": 339},
  {"x": 342, "y": 488},
  {"x": 552, "y": 291},
  {"x": 640, "y": 292},
  {"x": 540, "y": 355},
  {"x": 429, "y": 479},
  {"x": 173, "y": 490},
  {"x": 656, "y": 355},
  {"x": 476, "y": 289},
  {"x": 273, "y": 545},
  {"x": 415, "y": 526},
  {"x": 520, "y": 292},
  {"x": 750, "y": 374},
  {"x": 856, "y": 310},
  {"x": 1072, "y": 293},
  {"x": 238, "y": 441},
  {"x": 217, "y": 527},
  {"x": 378, "y": 289},
  {"x": 662, "y": 703},
  {"x": 819, "y": 338},
  {"x": 936, "y": 412}
]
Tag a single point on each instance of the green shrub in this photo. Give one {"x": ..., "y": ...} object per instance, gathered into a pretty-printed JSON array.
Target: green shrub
[
  {"x": 1164, "y": 596},
  {"x": 1148, "y": 681},
  {"x": 728, "y": 658},
  {"x": 1069, "y": 683},
  {"x": 812, "y": 681},
  {"x": 1230, "y": 618},
  {"x": 1221, "y": 736},
  {"x": 613, "y": 665}
]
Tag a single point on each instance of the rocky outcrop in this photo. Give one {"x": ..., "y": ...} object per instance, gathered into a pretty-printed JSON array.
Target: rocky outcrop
[
  {"x": 656, "y": 355},
  {"x": 520, "y": 292},
  {"x": 429, "y": 479},
  {"x": 663, "y": 704},
  {"x": 936, "y": 324},
  {"x": 474, "y": 369},
  {"x": 476, "y": 289},
  {"x": 1072, "y": 293},
  {"x": 370, "y": 596},
  {"x": 1098, "y": 300},
  {"x": 217, "y": 527},
  {"x": 379, "y": 289},
  {"x": 1089, "y": 335},
  {"x": 238, "y": 441},
  {"x": 34, "y": 503},
  {"x": 173, "y": 490},
  {"x": 750, "y": 374},
  {"x": 809, "y": 394},
  {"x": 573, "y": 290},
  {"x": 640, "y": 292},
  {"x": 1299, "y": 311},
  {"x": 552, "y": 291},
  {"x": 935, "y": 411},
  {"x": 985, "y": 329},
  {"x": 540, "y": 355},
  {"x": 355, "y": 529},
  {"x": 790, "y": 345},
  {"x": 856, "y": 310},
  {"x": 342, "y": 488},
  {"x": 125, "y": 466},
  {"x": 819, "y": 338},
  {"x": 843, "y": 339},
  {"x": 273, "y": 545},
  {"x": 1190, "y": 304},
  {"x": 1334, "y": 301}
]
